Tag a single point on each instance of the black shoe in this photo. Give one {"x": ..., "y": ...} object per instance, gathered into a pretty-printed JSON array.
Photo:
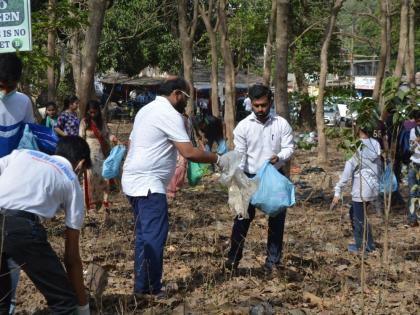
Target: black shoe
[
  {"x": 413, "y": 224},
  {"x": 230, "y": 265},
  {"x": 270, "y": 269}
]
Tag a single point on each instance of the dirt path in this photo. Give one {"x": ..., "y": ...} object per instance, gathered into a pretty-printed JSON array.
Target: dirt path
[{"x": 318, "y": 275}]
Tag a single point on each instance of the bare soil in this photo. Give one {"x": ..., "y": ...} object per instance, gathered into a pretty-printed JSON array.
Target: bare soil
[{"x": 317, "y": 276}]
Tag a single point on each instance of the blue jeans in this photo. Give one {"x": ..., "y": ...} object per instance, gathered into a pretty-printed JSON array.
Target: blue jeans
[
  {"x": 357, "y": 217},
  {"x": 14, "y": 276},
  {"x": 414, "y": 193},
  {"x": 151, "y": 228},
  {"x": 25, "y": 241}
]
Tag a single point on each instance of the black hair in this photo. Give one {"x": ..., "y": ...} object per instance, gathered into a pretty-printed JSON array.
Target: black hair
[
  {"x": 10, "y": 68},
  {"x": 69, "y": 100},
  {"x": 74, "y": 149},
  {"x": 416, "y": 114},
  {"x": 92, "y": 104},
  {"x": 170, "y": 85},
  {"x": 51, "y": 104},
  {"x": 259, "y": 90},
  {"x": 211, "y": 126}
]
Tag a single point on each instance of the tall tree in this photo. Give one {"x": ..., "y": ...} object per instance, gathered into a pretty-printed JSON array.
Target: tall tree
[
  {"x": 282, "y": 45},
  {"x": 268, "y": 52},
  {"x": 229, "y": 106},
  {"x": 410, "y": 60},
  {"x": 380, "y": 73},
  {"x": 186, "y": 37},
  {"x": 402, "y": 46},
  {"x": 207, "y": 15},
  {"x": 320, "y": 124},
  {"x": 96, "y": 9},
  {"x": 52, "y": 36}
]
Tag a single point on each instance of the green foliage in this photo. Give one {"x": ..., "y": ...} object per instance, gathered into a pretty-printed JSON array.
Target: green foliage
[
  {"x": 349, "y": 143},
  {"x": 333, "y": 132},
  {"x": 137, "y": 34},
  {"x": 248, "y": 26},
  {"x": 307, "y": 32},
  {"x": 367, "y": 113},
  {"x": 397, "y": 101},
  {"x": 68, "y": 18}
]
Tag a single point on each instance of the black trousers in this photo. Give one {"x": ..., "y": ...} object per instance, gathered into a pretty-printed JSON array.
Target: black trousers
[{"x": 25, "y": 241}]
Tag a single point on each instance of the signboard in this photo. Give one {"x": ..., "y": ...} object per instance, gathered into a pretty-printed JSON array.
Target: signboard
[
  {"x": 15, "y": 25},
  {"x": 364, "y": 83}
]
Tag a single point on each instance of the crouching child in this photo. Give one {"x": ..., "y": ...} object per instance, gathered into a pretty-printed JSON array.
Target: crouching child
[
  {"x": 364, "y": 169},
  {"x": 33, "y": 186}
]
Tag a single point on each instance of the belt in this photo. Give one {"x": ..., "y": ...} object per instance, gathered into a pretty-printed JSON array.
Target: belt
[{"x": 19, "y": 214}]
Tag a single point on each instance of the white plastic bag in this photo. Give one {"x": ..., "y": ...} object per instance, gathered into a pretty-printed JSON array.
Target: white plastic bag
[
  {"x": 241, "y": 189},
  {"x": 234, "y": 158}
]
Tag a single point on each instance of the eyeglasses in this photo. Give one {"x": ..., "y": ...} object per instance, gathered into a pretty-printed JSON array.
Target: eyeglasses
[{"x": 185, "y": 94}]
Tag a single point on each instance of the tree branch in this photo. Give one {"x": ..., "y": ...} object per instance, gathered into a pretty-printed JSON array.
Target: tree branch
[{"x": 305, "y": 31}]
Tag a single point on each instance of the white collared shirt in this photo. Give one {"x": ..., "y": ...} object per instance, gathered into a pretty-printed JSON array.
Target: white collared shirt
[
  {"x": 259, "y": 142},
  {"x": 38, "y": 183},
  {"x": 151, "y": 158}
]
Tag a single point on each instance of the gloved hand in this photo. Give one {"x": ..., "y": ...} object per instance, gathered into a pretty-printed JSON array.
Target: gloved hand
[
  {"x": 83, "y": 310},
  {"x": 223, "y": 162}
]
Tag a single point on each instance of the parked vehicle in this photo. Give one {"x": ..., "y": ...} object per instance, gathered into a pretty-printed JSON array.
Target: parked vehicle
[{"x": 332, "y": 115}]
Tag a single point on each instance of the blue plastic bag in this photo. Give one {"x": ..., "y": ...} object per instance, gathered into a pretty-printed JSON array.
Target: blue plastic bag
[
  {"x": 275, "y": 192},
  {"x": 388, "y": 180},
  {"x": 221, "y": 147},
  {"x": 46, "y": 138},
  {"x": 111, "y": 166},
  {"x": 28, "y": 140}
]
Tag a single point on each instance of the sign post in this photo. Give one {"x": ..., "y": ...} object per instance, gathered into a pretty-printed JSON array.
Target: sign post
[{"x": 15, "y": 25}]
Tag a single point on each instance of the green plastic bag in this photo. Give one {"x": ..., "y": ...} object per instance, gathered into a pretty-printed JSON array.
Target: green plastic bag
[{"x": 196, "y": 171}]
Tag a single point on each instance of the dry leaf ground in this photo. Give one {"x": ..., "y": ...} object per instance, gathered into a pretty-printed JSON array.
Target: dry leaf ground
[{"x": 318, "y": 275}]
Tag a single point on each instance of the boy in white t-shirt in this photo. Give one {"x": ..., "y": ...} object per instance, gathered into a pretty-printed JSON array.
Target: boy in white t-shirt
[{"x": 35, "y": 185}]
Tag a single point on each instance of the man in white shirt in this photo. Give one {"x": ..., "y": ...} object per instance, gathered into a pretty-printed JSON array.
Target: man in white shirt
[
  {"x": 35, "y": 185},
  {"x": 414, "y": 173},
  {"x": 158, "y": 132},
  {"x": 261, "y": 136},
  {"x": 247, "y": 104}
]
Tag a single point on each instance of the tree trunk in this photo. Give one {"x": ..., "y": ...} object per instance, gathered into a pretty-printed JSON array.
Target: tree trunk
[
  {"x": 52, "y": 90},
  {"x": 384, "y": 51},
  {"x": 76, "y": 42},
  {"x": 282, "y": 46},
  {"x": 211, "y": 31},
  {"x": 320, "y": 124},
  {"x": 90, "y": 50},
  {"x": 411, "y": 64},
  {"x": 186, "y": 37},
  {"x": 268, "y": 54},
  {"x": 402, "y": 46},
  {"x": 229, "y": 74},
  {"x": 305, "y": 115}
]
